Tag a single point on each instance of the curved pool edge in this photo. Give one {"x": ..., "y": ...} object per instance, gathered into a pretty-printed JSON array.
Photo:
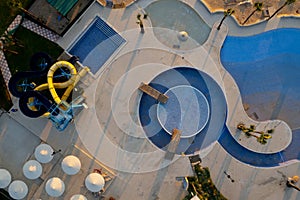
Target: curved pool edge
[
  {"x": 236, "y": 112},
  {"x": 163, "y": 110},
  {"x": 250, "y": 157},
  {"x": 235, "y": 29},
  {"x": 194, "y": 36},
  {"x": 214, "y": 95}
]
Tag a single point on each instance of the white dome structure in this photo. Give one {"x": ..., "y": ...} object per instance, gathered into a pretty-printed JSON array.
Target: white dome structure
[
  {"x": 5, "y": 178},
  {"x": 94, "y": 182},
  {"x": 71, "y": 165},
  {"x": 55, "y": 187},
  {"x": 43, "y": 153},
  {"x": 32, "y": 169},
  {"x": 18, "y": 189}
]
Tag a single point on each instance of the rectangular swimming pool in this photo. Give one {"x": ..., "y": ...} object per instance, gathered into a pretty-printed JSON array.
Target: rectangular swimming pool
[{"x": 96, "y": 45}]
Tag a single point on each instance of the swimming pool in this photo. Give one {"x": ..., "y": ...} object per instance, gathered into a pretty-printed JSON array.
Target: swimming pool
[
  {"x": 208, "y": 110},
  {"x": 266, "y": 68},
  {"x": 273, "y": 64},
  {"x": 97, "y": 43},
  {"x": 178, "y": 16}
]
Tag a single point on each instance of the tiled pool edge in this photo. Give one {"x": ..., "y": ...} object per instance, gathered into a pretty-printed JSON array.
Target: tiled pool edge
[{"x": 109, "y": 37}]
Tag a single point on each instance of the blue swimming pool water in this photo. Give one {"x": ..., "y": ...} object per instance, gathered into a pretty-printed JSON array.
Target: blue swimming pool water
[
  {"x": 277, "y": 72},
  {"x": 96, "y": 44},
  {"x": 184, "y": 76},
  {"x": 266, "y": 68},
  {"x": 186, "y": 109},
  {"x": 261, "y": 46}
]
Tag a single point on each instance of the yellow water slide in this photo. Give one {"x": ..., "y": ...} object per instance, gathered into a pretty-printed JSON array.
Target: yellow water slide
[{"x": 69, "y": 84}]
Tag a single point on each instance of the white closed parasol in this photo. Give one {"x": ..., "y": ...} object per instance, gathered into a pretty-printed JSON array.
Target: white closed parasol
[
  {"x": 94, "y": 182},
  {"x": 71, "y": 165},
  {"x": 32, "y": 169},
  {"x": 78, "y": 197},
  {"x": 43, "y": 153},
  {"x": 5, "y": 178},
  {"x": 55, "y": 187},
  {"x": 18, "y": 189}
]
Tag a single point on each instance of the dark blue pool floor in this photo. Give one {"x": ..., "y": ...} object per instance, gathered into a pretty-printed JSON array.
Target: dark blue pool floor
[
  {"x": 158, "y": 136},
  {"x": 258, "y": 159},
  {"x": 148, "y": 108},
  {"x": 99, "y": 37},
  {"x": 267, "y": 70}
]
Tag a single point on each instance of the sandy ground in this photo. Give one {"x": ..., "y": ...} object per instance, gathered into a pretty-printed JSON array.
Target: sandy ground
[{"x": 243, "y": 9}]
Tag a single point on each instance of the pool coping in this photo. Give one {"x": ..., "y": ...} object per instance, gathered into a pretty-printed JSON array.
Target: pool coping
[
  {"x": 237, "y": 114},
  {"x": 115, "y": 52}
]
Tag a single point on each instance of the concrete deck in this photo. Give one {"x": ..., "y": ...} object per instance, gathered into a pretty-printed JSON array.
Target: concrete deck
[{"x": 108, "y": 135}]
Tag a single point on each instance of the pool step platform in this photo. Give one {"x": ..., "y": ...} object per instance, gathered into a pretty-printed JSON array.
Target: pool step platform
[
  {"x": 162, "y": 98},
  {"x": 173, "y": 144}
]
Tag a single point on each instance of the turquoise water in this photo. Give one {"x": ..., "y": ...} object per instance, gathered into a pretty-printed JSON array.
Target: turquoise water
[{"x": 178, "y": 16}]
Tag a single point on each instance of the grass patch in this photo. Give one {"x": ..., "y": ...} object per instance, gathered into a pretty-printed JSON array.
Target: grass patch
[
  {"x": 32, "y": 43},
  {"x": 28, "y": 39},
  {"x": 7, "y": 14}
]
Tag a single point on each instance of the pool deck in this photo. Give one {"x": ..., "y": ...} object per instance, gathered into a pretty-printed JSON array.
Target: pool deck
[{"x": 150, "y": 176}]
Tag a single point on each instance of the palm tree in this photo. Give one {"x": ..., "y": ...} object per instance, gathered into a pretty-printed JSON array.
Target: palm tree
[
  {"x": 18, "y": 4},
  {"x": 227, "y": 13},
  {"x": 261, "y": 139},
  {"x": 7, "y": 40},
  {"x": 287, "y": 2},
  {"x": 14, "y": 3},
  {"x": 290, "y": 183},
  {"x": 258, "y": 7}
]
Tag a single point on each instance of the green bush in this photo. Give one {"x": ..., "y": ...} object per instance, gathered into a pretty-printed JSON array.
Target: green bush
[
  {"x": 202, "y": 183},
  {"x": 32, "y": 43}
]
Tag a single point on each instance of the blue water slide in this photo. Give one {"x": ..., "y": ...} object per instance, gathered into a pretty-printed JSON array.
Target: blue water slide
[
  {"x": 40, "y": 64},
  {"x": 44, "y": 104}
]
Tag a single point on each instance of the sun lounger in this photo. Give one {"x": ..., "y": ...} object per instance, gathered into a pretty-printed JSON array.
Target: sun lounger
[
  {"x": 118, "y": 4},
  {"x": 102, "y": 2}
]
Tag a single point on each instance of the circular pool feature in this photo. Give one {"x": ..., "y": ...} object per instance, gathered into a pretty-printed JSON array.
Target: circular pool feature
[
  {"x": 187, "y": 109},
  {"x": 184, "y": 77},
  {"x": 179, "y": 16}
]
